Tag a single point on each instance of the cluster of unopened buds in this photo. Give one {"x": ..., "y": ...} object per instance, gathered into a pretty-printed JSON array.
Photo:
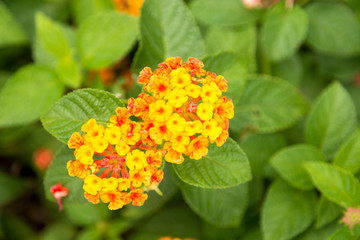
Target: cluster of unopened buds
[{"x": 181, "y": 112}]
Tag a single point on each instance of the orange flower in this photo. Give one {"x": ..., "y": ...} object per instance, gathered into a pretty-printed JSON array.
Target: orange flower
[
  {"x": 198, "y": 147},
  {"x": 131, "y": 7}
]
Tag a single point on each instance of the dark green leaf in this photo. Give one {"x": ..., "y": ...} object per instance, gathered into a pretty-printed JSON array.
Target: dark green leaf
[
  {"x": 106, "y": 37},
  {"x": 289, "y": 164},
  {"x": 73, "y": 110},
  {"x": 267, "y": 104},
  {"x": 327, "y": 212},
  {"x": 333, "y": 29},
  {"x": 343, "y": 233},
  {"x": 167, "y": 30},
  {"x": 331, "y": 120},
  {"x": 220, "y": 207},
  {"x": 222, "y": 167},
  {"x": 284, "y": 31},
  {"x": 286, "y": 212},
  {"x": 94, "y": 213},
  {"x": 10, "y": 188},
  {"x": 29, "y": 93},
  {"x": 336, "y": 184}
]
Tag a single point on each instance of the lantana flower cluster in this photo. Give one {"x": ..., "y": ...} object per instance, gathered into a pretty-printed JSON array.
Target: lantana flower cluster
[{"x": 181, "y": 111}]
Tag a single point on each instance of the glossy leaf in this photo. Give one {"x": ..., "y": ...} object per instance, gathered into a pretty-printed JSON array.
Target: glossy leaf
[
  {"x": 336, "y": 184},
  {"x": 29, "y": 93},
  {"x": 73, "y": 110},
  {"x": 289, "y": 164},
  {"x": 222, "y": 167},
  {"x": 167, "y": 30},
  {"x": 331, "y": 120},
  {"x": 105, "y": 38},
  {"x": 348, "y": 156},
  {"x": 268, "y": 104},
  {"x": 284, "y": 31},
  {"x": 286, "y": 212},
  {"x": 220, "y": 207}
]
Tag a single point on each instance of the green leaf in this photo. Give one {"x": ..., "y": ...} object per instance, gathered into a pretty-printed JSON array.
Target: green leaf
[
  {"x": 105, "y": 38},
  {"x": 349, "y": 154},
  {"x": 333, "y": 29},
  {"x": 220, "y": 207},
  {"x": 10, "y": 188},
  {"x": 29, "y": 93},
  {"x": 331, "y": 120},
  {"x": 343, "y": 233},
  {"x": 59, "y": 231},
  {"x": 73, "y": 110},
  {"x": 58, "y": 173},
  {"x": 53, "y": 47},
  {"x": 241, "y": 41},
  {"x": 228, "y": 13},
  {"x": 327, "y": 212},
  {"x": 222, "y": 167},
  {"x": 83, "y": 9},
  {"x": 286, "y": 212},
  {"x": 322, "y": 233},
  {"x": 336, "y": 184},
  {"x": 10, "y": 32},
  {"x": 284, "y": 31},
  {"x": 290, "y": 69},
  {"x": 230, "y": 66},
  {"x": 268, "y": 104},
  {"x": 94, "y": 213},
  {"x": 289, "y": 164},
  {"x": 167, "y": 30},
  {"x": 259, "y": 160}
]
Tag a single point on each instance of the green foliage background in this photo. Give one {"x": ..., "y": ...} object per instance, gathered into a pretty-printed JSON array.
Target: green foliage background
[{"x": 291, "y": 167}]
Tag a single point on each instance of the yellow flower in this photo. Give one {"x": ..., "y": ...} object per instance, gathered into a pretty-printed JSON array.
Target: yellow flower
[
  {"x": 176, "y": 123},
  {"x": 85, "y": 154},
  {"x": 198, "y": 147},
  {"x": 179, "y": 142},
  {"x": 92, "y": 184},
  {"x": 109, "y": 184},
  {"x": 211, "y": 129},
  {"x": 177, "y": 97},
  {"x": 160, "y": 111},
  {"x": 136, "y": 160},
  {"x": 180, "y": 78},
  {"x": 205, "y": 111},
  {"x": 210, "y": 93},
  {"x": 122, "y": 148},
  {"x": 112, "y": 134},
  {"x": 99, "y": 144},
  {"x": 193, "y": 90},
  {"x": 192, "y": 128}
]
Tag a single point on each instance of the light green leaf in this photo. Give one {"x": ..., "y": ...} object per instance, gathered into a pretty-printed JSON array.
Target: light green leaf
[
  {"x": 343, "y": 233},
  {"x": 53, "y": 47},
  {"x": 59, "y": 231},
  {"x": 290, "y": 69},
  {"x": 10, "y": 32},
  {"x": 331, "y": 120},
  {"x": 106, "y": 37},
  {"x": 284, "y": 31},
  {"x": 259, "y": 160},
  {"x": 230, "y": 66},
  {"x": 10, "y": 188},
  {"x": 73, "y": 110},
  {"x": 333, "y": 29},
  {"x": 289, "y": 164},
  {"x": 167, "y": 30},
  {"x": 220, "y": 207},
  {"x": 222, "y": 167},
  {"x": 241, "y": 41},
  {"x": 348, "y": 156},
  {"x": 58, "y": 173},
  {"x": 336, "y": 184},
  {"x": 322, "y": 233},
  {"x": 83, "y": 9},
  {"x": 268, "y": 104},
  {"x": 286, "y": 212},
  {"x": 29, "y": 93},
  {"x": 229, "y": 12},
  {"x": 94, "y": 213},
  {"x": 327, "y": 212}
]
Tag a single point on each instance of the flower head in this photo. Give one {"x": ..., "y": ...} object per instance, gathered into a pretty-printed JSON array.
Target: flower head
[{"x": 352, "y": 217}]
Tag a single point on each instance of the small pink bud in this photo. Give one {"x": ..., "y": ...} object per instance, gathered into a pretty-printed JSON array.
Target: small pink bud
[
  {"x": 352, "y": 217},
  {"x": 251, "y": 3},
  {"x": 58, "y": 191}
]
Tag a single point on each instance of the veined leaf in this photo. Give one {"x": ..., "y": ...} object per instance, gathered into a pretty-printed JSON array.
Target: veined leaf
[
  {"x": 220, "y": 207},
  {"x": 106, "y": 37},
  {"x": 284, "y": 31},
  {"x": 268, "y": 104},
  {"x": 331, "y": 120},
  {"x": 336, "y": 184},
  {"x": 222, "y": 167},
  {"x": 286, "y": 212},
  {"x": 289, "y": 164},
  {"x": 167, "y": 30},
  {"x": 73, "y": 110},
  {"x": 29, "y": 93}
]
